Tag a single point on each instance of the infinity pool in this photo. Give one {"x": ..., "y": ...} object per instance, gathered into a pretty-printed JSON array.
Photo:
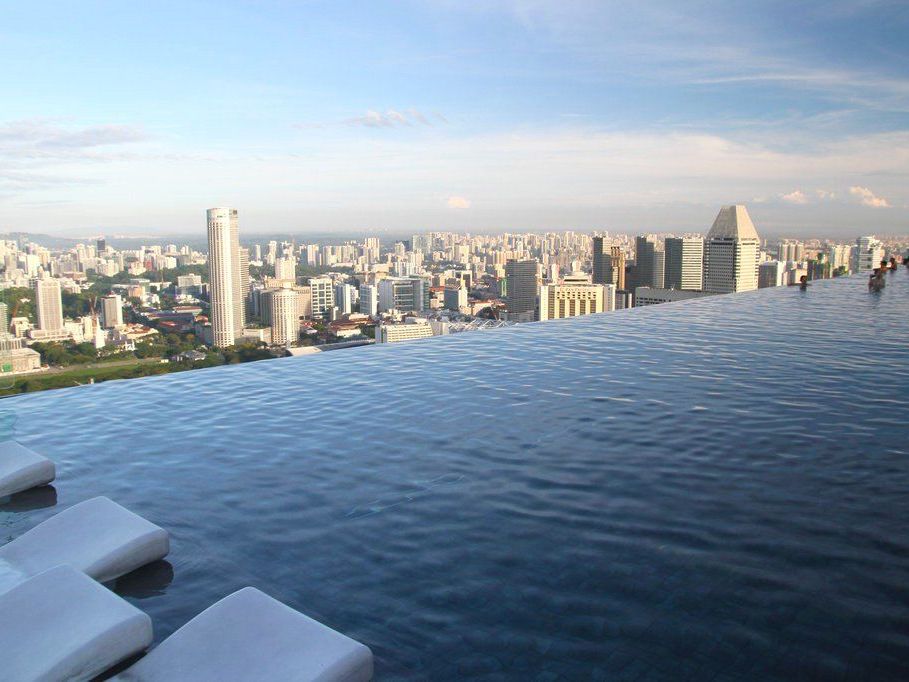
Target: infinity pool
[{"x": 715, "y": 489}]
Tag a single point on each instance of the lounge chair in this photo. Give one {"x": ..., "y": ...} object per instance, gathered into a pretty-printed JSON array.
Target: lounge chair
[
  {"x": 250, "y": 636},
  {"x": 98, "y": 537},
  {"x": 22, "y": 468},
  {"x": 62, "y": 625}
]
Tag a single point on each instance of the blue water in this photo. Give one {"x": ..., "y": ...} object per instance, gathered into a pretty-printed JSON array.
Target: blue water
[{"x": 716, "y": 489}]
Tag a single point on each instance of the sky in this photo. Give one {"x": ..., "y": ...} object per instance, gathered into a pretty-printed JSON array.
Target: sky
[{"x": 475, "y": 116}]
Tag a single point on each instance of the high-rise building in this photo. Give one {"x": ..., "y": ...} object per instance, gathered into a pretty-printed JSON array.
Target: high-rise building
[
  {"x": 225, "y": 276},
  {"x": 455, "y": 298},
  {"x": 244, "y": 285},
  {"x": 50, "y": 304},
  {"x": 4, "y": 319},
  {"x": 791, "y": 251},
  {"x": 608, "y": 263},
  {"x": 521, "y": 278},
  {"x": 839, "y": 256},
  {"x": 323, "y": 297},
  {"x": 405, "y": 294},
  {"x": 369, "y": 300},
  {"x": 867, "y": 254},
  {"x": 285, "y": 321},
  {"x": 111, "y": 311},
  {"x": 732, "y": 252},
  {"x": 344, "y": 297},
  {"x": 285, "y": 269},
  {"x": 659, "y": 267},
  {"x": 394, "y": 333},
  {"x": 684, "y": 263},
  {"x": 770, "y": 274},
  {"x": 101, "y": 244},
  {"x": 573, "y": 298},
  {"x": 644, "y": 261}
]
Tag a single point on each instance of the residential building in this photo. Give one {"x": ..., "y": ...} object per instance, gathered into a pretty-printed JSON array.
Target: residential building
[
  {"x": 49, "y": 301},
  {"x": 867, "y": 254},
  {"x": 225, "y": 277},
  {"x": 369, "y": 299}
]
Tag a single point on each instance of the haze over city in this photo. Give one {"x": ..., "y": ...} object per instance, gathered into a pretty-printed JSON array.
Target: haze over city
[{"x": 405, "y": 116}]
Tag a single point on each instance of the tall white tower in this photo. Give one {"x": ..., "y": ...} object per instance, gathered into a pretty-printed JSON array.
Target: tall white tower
[
  {"x": 285, "y": 321},
  {"x": 732, "y": 253},
  {"x": 50, "y": 304},
  {"x": 225, "y": 276}
]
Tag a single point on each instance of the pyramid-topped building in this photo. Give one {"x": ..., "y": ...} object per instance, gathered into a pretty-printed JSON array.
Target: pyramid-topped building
[
  {"x": 732, "y": 252},
  {"x": 733, "y": 222}
]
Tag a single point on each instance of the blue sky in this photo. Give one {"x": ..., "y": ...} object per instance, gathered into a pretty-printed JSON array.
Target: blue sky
[{"x": 521, "y": 114}]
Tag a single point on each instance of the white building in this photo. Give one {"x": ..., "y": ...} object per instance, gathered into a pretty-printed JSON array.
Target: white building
[
  {"x": 226, "y": 281},
  {"x": 111, "y": 311},
  {"x": 323, "y": 297},
  {"x": 732, "y": 253},
  {"x": 369, "y": 300},
  {"x": 286, "y": 269},
  {"x": 285, "y": 323},
  {"x": 571, "y": 299},
  {"x": 684, "y": 263},
  {"x": 393, "y": 333},
  {"x": 867, "y": 254},
  {"x": 50, "y": 305},
  {"x": 652, "y": 296}
]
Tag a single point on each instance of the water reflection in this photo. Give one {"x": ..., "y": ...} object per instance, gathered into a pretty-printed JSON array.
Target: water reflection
[
  {"x": 149, "y": 581},
  {"x": 30, "y": 500}
]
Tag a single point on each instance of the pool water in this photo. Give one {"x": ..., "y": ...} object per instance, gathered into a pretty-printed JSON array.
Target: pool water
[{"x": 714, "y": 489}]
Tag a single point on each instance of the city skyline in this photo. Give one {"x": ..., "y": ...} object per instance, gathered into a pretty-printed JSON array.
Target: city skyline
[{"x": 435, "y": 116}]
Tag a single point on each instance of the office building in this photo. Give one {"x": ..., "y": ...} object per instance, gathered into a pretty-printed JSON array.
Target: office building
[
  {"x": 732, "y": 252},
  {"x": 645, "y": 248},
  {"x": 394, "y": 333},
  {"x": 111, "y": 311},
  {"x": 521, "y": 281},
  {"x": 455, "y": 298},
  {"x": 684, "y": 263},
  {"x": 651, "y": 296},
  {"x": 405, "y": 294},
  {"x": 345, "y": 297},
  {"x": 791, "y": 251},
  {"x": 771, "y": 273},
  {"x": 225, "y": 276},
  {"x": 573, "y": 298},
  {"x": 369, "y": 300}
]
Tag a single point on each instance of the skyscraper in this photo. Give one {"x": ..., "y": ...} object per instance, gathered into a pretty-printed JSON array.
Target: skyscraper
[
  {"x": 644, "y": 261},
  {"x": 50, "y": 304},
  {"x": 111, "y": 311},
  {"x": 285, "y": 321},
  {"x": 684, "y": 263},
  {"x": 732, "y": 252},
  {"x": 867, "y": 254},
  {"x": 226, "y": 280},
  {"x": 369, "y": 299},
  {"x": 521, "y": 287}
]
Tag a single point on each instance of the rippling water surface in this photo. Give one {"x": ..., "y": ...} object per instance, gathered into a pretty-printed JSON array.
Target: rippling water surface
[{"x": 712, "y": 489}]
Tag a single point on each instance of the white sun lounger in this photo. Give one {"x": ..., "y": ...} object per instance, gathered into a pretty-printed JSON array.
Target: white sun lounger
[
  {"x": 98, "y": 537},
  {"x": 62, "y": 625},
  {"x": 21, "y": 468},
  {"x": 250, "y": 636}
]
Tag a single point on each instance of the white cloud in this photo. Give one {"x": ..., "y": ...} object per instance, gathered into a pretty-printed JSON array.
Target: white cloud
[
  {"x": 825, "y": 195},
  {"x": 868, "y": 197},
  {"x": 458, "y": 202},
  {"x": 390, "y": 119},
  {"x": 795, "y": 197}
]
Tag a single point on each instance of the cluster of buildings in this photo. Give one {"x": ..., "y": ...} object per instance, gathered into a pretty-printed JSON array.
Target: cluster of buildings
[{"x": 433, "y": 284}]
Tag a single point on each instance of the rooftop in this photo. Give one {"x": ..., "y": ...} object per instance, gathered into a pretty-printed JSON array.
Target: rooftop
[
  {"x": 712, "y": 487},
  {"x": 732, "y": 222}
]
